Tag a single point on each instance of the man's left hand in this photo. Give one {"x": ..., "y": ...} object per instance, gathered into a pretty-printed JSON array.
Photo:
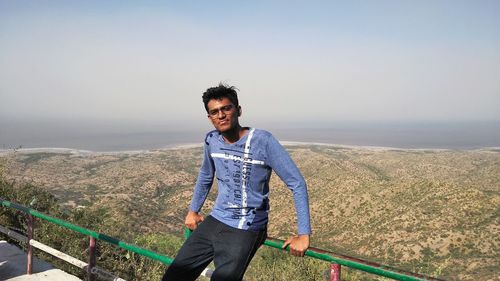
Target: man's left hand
[{"x": 298, "y": 245}]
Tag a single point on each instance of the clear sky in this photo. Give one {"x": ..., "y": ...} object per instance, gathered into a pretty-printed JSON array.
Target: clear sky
[{"x": 292, "y": 61}]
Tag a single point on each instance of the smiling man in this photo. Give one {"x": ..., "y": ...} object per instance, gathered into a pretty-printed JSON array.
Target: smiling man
[{"x": 242, "y": 159}]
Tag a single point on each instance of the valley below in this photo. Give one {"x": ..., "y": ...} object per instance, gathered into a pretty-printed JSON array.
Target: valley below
[{"x": 435, "y": 212}]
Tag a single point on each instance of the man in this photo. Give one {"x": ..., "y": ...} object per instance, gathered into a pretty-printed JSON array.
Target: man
[{"x": 242, "y": 159}]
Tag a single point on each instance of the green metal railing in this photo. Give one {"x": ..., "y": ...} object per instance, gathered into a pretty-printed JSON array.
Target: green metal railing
[
  {"x": 99, "y": 236},
  {"x": 334, "y": 259}
]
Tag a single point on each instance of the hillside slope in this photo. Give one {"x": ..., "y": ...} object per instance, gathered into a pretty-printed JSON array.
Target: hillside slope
[{"x": 435, "y": 212}]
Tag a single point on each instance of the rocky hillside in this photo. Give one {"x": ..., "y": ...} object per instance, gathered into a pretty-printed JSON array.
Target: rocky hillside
[{"x": 431, "y": 211}]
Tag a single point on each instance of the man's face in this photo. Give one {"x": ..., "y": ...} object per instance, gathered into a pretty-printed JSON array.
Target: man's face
[{"x": 223, "y": 114}]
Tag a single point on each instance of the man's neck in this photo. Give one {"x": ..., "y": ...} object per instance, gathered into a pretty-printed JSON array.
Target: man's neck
[{"x": 234, "y": 135}]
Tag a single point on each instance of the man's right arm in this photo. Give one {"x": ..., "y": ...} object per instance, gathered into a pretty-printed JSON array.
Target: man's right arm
[
  {"x": 193, "y": 219},
  {"x": 201, "y": 190}
]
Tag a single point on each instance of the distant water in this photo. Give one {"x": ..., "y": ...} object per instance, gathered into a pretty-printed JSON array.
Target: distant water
[
  {"x": 410, "y": 135},
  {"x": 122, "y": 137}
]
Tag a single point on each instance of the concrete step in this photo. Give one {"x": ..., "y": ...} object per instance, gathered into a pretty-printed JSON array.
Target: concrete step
[{"x": 13, "y": 267}]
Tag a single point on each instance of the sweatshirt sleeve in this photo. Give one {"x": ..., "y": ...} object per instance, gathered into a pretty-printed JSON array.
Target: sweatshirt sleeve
[
  {"x": 281, "y": 162},
  {"x": 204, "y": 181}
]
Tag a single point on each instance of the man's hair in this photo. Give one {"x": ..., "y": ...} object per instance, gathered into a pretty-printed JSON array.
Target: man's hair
[{"x": 219, "y": 92}]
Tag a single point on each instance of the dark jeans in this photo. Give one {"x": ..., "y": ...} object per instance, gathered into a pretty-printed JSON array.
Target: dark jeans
[{"x": 230, "y": 248}]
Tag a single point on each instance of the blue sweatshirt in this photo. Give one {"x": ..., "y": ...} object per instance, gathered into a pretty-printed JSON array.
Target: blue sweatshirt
[{"x": 243, "y": 170}]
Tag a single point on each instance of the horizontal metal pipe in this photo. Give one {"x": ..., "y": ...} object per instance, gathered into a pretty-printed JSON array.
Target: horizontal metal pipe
[
  {"x": 74, "y": 261},
  {"x": 13, "y": 234},
  {"x": 58, "y": 254},
  {"x": 355, "y": 263},
  {"x": 351, "y": 262},
  {"x": 105, "y": 274},
  {"x": 63, "y": 256},
  {"x": 100, "y": 236}
]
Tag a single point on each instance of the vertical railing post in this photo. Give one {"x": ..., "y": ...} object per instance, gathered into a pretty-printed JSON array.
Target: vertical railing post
[
  {"x": 30, "y": 248},
  {"x": 335, "y": 272},
  {"x": 92, "y": 259}
]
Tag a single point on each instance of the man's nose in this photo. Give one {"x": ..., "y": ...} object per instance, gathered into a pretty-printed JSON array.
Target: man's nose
[{"x": 221, "y": 114}]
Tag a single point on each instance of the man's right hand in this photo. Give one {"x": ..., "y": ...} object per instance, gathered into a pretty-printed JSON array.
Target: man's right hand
[{"x": 192, "y": 220}]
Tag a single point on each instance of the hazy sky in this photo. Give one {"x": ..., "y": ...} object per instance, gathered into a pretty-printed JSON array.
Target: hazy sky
[{"x": 294, "y": 61}]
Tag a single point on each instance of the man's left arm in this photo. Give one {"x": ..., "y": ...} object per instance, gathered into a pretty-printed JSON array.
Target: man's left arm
[{"x": 281, "y": 162}]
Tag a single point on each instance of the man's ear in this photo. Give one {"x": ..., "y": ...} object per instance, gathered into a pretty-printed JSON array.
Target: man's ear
[
  {"x": 210, "y": 119},
  {"x": 239, "y": 111}
]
